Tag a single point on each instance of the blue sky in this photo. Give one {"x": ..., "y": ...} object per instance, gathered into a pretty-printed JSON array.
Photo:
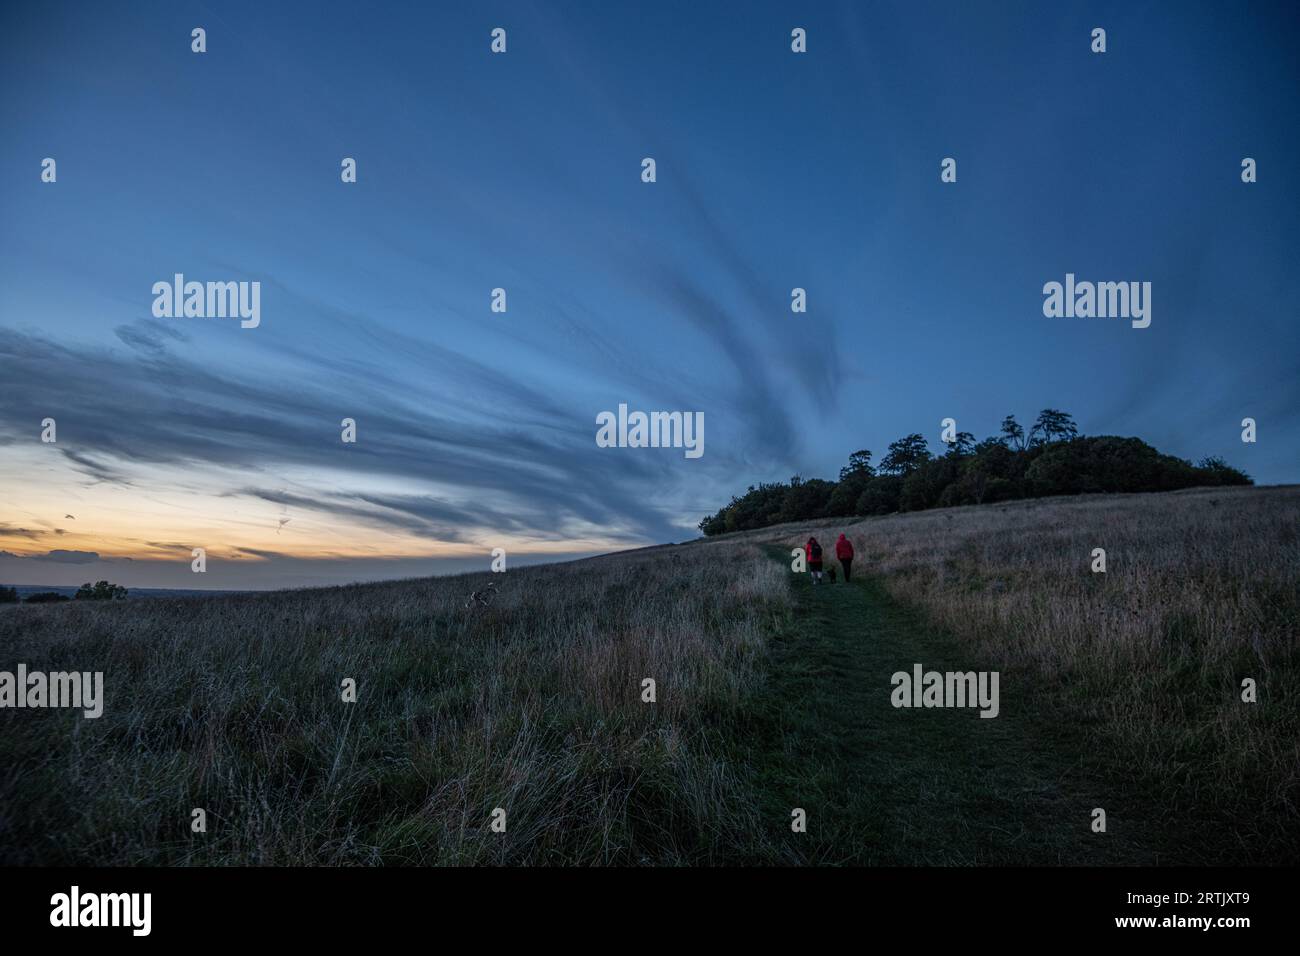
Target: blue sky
[{"x": 522, "y": 171}]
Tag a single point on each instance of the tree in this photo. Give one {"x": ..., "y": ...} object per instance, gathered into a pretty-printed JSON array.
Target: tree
[
  {"x": 1109, "y": 464},
  {"x": 881, "y": 496},
  {"x": 963, "y": 444},
  {"x": 1052, "y": 425},
  {"x": 924, "y": 485},
  {"x": 1216, "y": 471},
  {"x": 1053, "y": 459},
  {"x": 854, "y": 478},
  {"x": 1013, "y": 436},
  {"x": 756, "y": 508},
  {"x": 859, "y": 464},
  {"x": 714, "y": 524},
  {"x": 905, "y": 456},
  {"x": 8, "y": 595},
  {"x": 100, "y": 591},
  {"x": 45, "y": 597},
  {"x": 807, "y": 499},
  {"x": 844, "y": 499}
]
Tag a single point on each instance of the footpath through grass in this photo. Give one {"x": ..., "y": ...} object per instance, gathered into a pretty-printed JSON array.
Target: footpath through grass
[{"x": 925, "y": 786}]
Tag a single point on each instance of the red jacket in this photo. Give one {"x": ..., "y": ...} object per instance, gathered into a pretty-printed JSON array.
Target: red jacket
[
  {"x": 808, "y": 553},
  {"x": 843, "y": 550}
]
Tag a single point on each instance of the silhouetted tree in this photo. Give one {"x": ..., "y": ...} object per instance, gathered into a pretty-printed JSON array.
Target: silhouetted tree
[
  {"x": 1052, "y": 425},
  {"x": 45, "y": 597},
  {"x": 100, "y": 591},
  {"x": 1013, "y": 436},
  {"x": 881, "y": 495},
  {"x": 963, "y": 444},
  {"x": 1106, "y": 463},
  {"x": 844, "y": 499},
  {"x": 905, "y": 456},
  {"x": 1216, "y": 471},
  {"x": 807, "y": 499},
  {"x": 924, "y": 485},
  {"x": 1052, "y": 460},
  {"x": 859, "y": 464}
]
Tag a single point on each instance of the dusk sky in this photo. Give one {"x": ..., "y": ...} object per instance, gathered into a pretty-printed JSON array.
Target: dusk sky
[{"x": 522, "y": 170}]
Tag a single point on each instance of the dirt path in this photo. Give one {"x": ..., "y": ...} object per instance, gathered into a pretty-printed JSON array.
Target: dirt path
[{"x": 886, "y": 785}]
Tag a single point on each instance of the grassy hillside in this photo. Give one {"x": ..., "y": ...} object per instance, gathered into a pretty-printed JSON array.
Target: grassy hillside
[
  {"x": 1142, "y": 665},
  {"x": 532, "y": 704},
  {"x": 1119, "y": 690},
  {"x": 1202, "y": 590}
]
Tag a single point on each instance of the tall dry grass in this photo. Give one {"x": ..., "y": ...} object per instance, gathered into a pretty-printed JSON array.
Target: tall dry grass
[
  {"x": 232, "y": 704},
  {"x": 1202, "y": 590}
]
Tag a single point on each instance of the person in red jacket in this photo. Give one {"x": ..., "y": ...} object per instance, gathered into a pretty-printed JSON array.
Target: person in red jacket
[
  {"x": 813, "y": 551},
  {"x": 844, "y": 551}
]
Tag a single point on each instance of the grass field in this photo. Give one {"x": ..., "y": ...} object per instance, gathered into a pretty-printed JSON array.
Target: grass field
[{"x": 1119, "y": 690}]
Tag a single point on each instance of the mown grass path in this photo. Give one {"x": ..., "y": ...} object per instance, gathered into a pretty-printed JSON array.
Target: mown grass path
[{"x": 936, "y": 786}]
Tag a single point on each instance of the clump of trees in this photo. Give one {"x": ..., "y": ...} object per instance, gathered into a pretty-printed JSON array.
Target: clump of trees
[
  {"x": 100, "y": 591},
  {"x": 1051, "y": 458},
  {"x": 45, "y": 597},
  {"x": 8, "y": 595}
]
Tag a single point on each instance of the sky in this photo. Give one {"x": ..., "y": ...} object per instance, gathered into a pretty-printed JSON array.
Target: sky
[{"x": 522, "y": 170}]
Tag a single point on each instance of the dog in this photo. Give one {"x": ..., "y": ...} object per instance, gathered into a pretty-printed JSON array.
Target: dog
[{"x": 831, "y": 572}]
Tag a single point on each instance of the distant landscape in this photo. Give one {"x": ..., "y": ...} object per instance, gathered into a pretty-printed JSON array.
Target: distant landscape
[
  {"x": 1120, "y": 690},
  {"x": 25, "y": 591}
]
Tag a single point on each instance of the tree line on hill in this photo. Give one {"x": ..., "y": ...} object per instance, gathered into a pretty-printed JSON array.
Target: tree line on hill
[
  {"x": 99, "y": 591},
  {"x": 1052, "y": 458}
]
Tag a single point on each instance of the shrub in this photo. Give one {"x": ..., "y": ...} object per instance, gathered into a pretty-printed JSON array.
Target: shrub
[
  {"x": 101, "y": 591},
  {"x": 45, "y": 597}
]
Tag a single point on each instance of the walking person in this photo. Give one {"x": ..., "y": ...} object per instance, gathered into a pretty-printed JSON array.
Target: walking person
[
  {"x": 844, "y": 551},
  {"x": 813, "y": 551}
]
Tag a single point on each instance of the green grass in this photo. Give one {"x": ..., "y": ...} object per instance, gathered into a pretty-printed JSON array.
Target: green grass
[{"x": 919, "y": 786}]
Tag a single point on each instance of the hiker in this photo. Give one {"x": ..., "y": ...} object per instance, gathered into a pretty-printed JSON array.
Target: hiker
[
  {"x": 844, "y": 551},
  {"x": 813, "y": 550}
]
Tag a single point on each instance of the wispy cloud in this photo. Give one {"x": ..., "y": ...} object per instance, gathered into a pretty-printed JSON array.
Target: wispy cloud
[
  {"x": 501, "y": 455},
  {"x": 60, "y": 556}
]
